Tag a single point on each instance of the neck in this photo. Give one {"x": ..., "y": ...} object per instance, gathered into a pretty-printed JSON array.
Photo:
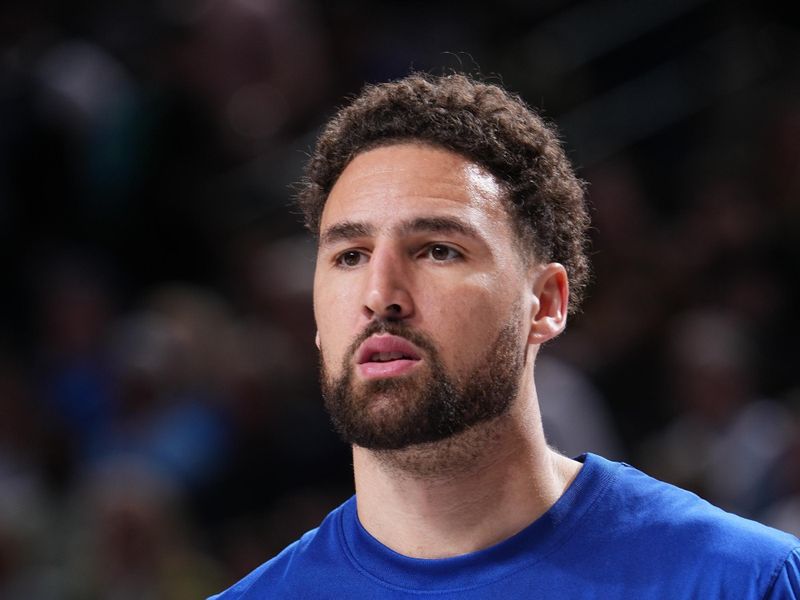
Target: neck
[{"x": 465, "y": 493}]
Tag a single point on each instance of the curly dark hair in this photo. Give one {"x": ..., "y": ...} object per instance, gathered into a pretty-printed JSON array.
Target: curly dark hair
[{"x": 483, "y": 123}]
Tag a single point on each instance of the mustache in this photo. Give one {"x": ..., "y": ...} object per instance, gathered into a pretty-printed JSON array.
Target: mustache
[{"x": 396, "y": 328}]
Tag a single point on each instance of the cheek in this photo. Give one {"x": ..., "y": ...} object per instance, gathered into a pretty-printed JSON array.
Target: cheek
[
  {"x": 334, "y": 327},
  {"x": 332, "y": 345},
  {"x": 464, "y": 323}
]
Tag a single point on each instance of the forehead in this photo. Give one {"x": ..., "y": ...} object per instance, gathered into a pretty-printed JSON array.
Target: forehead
[{"x": 389, "y": 182}]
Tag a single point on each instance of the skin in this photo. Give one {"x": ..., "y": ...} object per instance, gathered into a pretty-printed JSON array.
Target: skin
[{"x": 381, "y": 257}]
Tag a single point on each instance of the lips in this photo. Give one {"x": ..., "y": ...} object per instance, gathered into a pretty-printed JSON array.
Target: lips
[{"x": 386, "y": 356}]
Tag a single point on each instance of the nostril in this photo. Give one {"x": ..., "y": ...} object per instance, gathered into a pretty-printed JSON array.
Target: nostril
[{"x": 394, "y": 308}]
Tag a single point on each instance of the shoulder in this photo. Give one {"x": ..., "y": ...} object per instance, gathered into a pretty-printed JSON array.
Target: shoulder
[
  {"x": 786, "y": 583},
  {"x": 671, "y": 510},
  {"x": 298, "y": 561},
  {"x": 672, "y": 529}
]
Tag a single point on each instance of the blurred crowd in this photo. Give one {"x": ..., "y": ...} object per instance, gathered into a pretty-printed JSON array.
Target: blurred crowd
[{"x": 161, "y": 431}]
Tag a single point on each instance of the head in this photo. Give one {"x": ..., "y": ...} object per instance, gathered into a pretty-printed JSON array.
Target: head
[{"x": 450, "y": 223}]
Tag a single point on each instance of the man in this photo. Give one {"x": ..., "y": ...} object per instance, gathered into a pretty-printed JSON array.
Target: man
[{"x": 451, "y": 235}]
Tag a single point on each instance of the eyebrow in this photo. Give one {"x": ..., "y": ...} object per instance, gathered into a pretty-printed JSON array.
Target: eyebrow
[
  {"x": 349, "y": 230},
  {"x": 345, "y": 230},
  {"x": 438, "y": 225}
]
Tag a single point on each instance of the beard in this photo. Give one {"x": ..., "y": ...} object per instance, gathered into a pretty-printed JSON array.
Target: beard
[{"x": 428, "y": 405}]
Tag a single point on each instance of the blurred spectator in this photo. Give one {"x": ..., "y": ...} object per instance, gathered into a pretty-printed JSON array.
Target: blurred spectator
[
  {"x": 783, "y": 479},
  {"x": 73, "y": 373},
  {"x": 575, "y": 416},
  {"x": 129, "y": 539},
  {"x": 24, "y": 506},
  {"x": 724, "y": 437},
  {"x": 170, "y": 414}
]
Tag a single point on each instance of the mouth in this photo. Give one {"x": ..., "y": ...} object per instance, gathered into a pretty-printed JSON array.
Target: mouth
[{"x": 386, "y": 356}]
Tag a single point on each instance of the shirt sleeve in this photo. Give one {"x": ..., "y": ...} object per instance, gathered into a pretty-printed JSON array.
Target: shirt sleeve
[{"x": 787, "y": 582}]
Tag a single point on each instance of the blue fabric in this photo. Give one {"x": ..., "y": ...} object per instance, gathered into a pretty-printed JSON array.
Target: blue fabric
[{"x": 615, "y": 533}]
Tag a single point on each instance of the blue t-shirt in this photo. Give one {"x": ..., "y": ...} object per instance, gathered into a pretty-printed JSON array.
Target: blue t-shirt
[{"x": 615, "y": 533}]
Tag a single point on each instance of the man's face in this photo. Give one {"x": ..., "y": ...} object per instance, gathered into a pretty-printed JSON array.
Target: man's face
[{"x": 420, "y": 296}]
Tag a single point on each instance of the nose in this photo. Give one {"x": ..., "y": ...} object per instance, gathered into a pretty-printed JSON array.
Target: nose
[{"x": 387, "y": 293}]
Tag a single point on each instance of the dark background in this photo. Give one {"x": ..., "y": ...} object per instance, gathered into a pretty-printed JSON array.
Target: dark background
[{"x": 161, "y": 431}]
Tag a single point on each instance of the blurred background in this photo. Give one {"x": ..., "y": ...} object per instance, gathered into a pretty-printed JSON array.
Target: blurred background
[{"x": 161, "y": 431}]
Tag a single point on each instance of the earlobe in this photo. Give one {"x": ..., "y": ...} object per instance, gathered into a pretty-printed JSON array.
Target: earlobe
[{"x": 549, "y": 314}]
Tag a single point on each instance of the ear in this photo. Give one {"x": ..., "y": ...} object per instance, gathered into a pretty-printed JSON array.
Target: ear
[
  {"x": 549, "y": 314},
  {"x": 316, "y": 339}
]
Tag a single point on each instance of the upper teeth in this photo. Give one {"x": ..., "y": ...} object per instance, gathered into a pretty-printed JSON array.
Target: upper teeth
[{"x": 383, "y": 356}]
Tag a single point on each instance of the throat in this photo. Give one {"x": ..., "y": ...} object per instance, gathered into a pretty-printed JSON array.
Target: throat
[{"x": 453, "y": 497}]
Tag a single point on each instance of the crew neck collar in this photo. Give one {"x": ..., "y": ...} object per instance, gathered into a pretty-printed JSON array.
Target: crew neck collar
[{"x": 522, "y": 550}]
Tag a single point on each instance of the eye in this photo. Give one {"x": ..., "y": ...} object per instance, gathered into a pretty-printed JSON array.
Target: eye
[
  {"x": 350, "y": 258},
  {"x": 442, "y": 253}
]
